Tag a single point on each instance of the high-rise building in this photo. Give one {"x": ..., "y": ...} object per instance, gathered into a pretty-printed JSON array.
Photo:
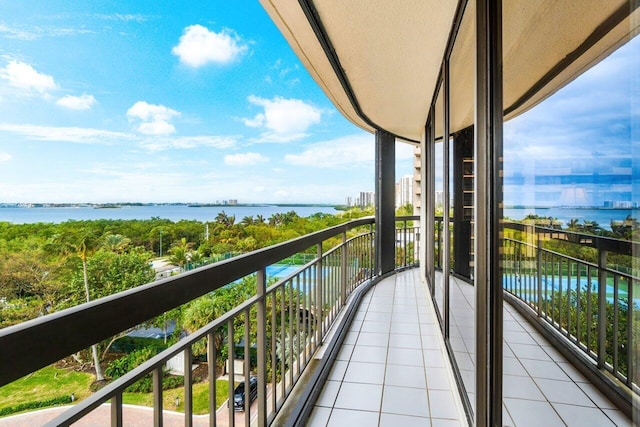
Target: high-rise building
[{"x": 404, "y": 191}]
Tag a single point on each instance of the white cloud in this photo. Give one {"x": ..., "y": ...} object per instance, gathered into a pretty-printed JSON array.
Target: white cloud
[
  {"x": 187, "y": 142},
  {"x": 27, "y": 32},
  {"x": 152, "y": 119},
  {"x": 67, "y": 134},
  {"x": 245, "y": 159},
  {"x": 344, "y": 152},
  {"x": 82, "y": 102},
  {"x": 284, "y": 119},
  {"x": 123, "y": 17},
  {"x": 199, "y": 46},
  {"x": 23, "y": 76},
  {"x": 5, "y": 157}
]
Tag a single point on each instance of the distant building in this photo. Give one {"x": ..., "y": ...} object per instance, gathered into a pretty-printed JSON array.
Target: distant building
[
  {"x": 404, "y": 191},
  {"x": 366, "y": 199}
]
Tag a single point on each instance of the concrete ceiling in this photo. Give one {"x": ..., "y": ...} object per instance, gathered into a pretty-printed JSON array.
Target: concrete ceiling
[{"x": 390, "y": 53}]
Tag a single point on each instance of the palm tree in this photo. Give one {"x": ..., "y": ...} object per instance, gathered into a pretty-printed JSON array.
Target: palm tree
[
  {"x": 116, "y": 243},
  {"x": 179, "y": 253},
  {"x": 247, "y": 220},
  {"x": 226, "y": 220},
  {"x": 260, "y": 219},
  {"x": 82, "y": 243}
]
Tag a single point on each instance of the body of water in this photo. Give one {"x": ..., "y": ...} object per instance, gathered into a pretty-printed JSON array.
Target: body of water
[
  {"x": 171, "y": 212},
  {"x": 204, "y": 214}
]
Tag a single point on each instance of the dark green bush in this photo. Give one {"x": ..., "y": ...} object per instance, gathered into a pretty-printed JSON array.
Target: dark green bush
[{"x": 60, "y": 400}]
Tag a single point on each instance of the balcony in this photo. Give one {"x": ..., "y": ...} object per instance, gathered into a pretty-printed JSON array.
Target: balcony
[
  {"x": 335, "y": 341},
  {"x": 393, "y": 368}
]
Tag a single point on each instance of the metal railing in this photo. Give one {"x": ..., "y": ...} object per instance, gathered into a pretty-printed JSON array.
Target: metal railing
[
  {"x": 407, "y": 241},
  {"x": 283, "y": 324},
  {"x": 592, "y": 304}
]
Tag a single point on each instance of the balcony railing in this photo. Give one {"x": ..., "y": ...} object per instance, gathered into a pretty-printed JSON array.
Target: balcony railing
[
  {"x": 592, "y": 304},
  {"x": 285, "y": 322}
]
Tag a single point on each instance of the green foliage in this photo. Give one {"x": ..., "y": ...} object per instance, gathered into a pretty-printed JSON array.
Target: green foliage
[
  {"x": 109, "y": 273},
  {"x": 405, "y": 210},
  {"x": 121, "y": 366},
  {"x": 60, "y": 400},
  {"x": 128, "y": 344},
  {"x": 145, "y": 385}
]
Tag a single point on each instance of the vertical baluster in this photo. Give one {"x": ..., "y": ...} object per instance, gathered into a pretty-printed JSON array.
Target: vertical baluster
[
  {"x": 261, "y": 344},
  {"x": 539, "y": 275},
  {"x": 232, "y": 376},
  {"x": 157, "y": 396},
  {"x": 553, "y": 289},
  {"x": 560, "y": 304},
  {"x": 211, "y": 366},
  {"x": 404, "y": 229},
  {"x": 569, "y": 297},
  {"x": 319, "y": 299},
  {"x": 589, "y": 310},
  {"x": 578, "y": 303},
  {"x": 294, "y": 317},
  {"x": 274, "y": 350},
  {"x": 602, "y": 307},
  {"x": 283, "y": 346},
  {"x": 247, "y": 368},
  {"x": 344, "y": 257},
  {"x": 305, "y": 322},
  {"x": 188, "y": 388},
  {"x": 616, "y": 308},
  {"x": 630, "y": 323},
  {"x": 116, "y": 410}
]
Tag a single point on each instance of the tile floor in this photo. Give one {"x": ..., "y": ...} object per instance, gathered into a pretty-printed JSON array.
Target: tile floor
[{"x": 392, "y": 369}]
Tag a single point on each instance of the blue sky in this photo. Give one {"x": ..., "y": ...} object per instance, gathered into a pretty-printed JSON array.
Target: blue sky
[{"x": 145, "y": 101}]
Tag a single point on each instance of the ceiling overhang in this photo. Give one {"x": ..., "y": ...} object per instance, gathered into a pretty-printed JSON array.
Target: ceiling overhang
[{"x": 379, "y": 61}]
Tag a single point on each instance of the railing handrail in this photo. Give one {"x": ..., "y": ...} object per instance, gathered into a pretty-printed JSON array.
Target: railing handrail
[
  {"x": 47, "y": 339},
  {"x": 624, "y": 247}
]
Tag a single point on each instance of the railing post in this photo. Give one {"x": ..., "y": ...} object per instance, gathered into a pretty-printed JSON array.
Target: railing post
[
  {"x": 343, "y": 269},
  {"x": 188, "y": 388},
  {"x": 602, "y": 307},
  {"x": 232, "y": 375},
  {"x": 211, "y": 366},
  {"x": 261, "y": 289},
  {"x": 157, "y": 397},
  {"x": 539, "y": 271},
  {"x": 116, "y": 410},
  {"x": 318, "y": 307}
]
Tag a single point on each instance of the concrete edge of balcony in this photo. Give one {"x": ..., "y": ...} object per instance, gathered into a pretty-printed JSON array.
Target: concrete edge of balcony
[
  {"x": 294, "y": 412},
  {"x": 611, "y": 387}
]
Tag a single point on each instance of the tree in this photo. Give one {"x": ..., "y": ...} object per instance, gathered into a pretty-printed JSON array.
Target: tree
[
  {"x": 225, "y": 220},
  {"x": 179, "y": 253},
  {"x": 247, "y": 220},
  {"x": 115, "y": 242},
  {"x": 83, "y": 243}
]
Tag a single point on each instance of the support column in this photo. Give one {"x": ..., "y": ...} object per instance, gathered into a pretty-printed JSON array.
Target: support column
[
  {"x": 488, "y": 213},
  {"x": 385, "y": 202},
  {"x": 446, "y": 236},
  {"x": 429, "y": 167}
]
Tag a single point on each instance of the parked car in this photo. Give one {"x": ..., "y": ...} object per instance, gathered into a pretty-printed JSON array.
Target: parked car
[{"x": 239, "y": 394}]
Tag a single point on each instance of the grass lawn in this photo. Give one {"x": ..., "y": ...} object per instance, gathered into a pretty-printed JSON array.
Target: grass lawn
[
  {"x": 47, "y": 383},
  {"x": 52, "y": 382},
  {"x": 200, "y": 397}
]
